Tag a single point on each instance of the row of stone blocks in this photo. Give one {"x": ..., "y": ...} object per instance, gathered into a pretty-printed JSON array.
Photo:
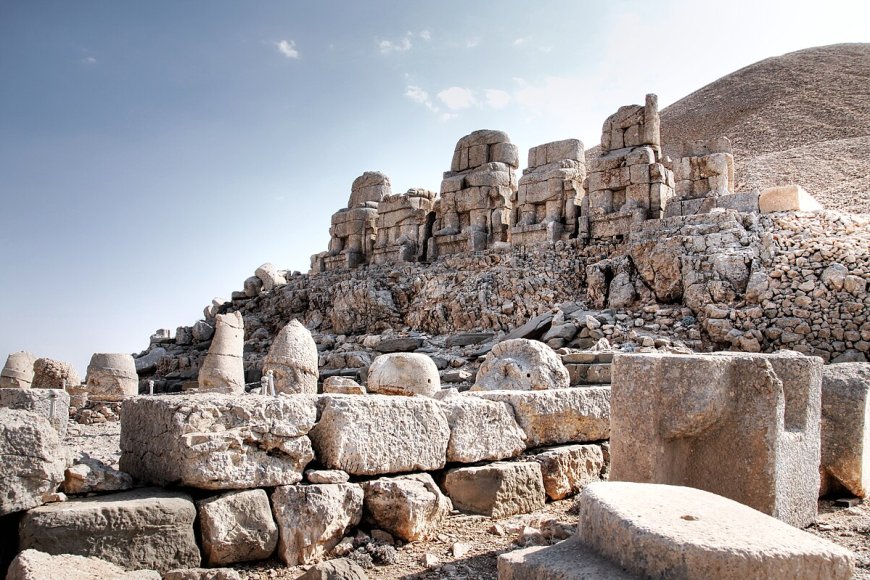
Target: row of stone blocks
[{"x": 230, "y": 442}]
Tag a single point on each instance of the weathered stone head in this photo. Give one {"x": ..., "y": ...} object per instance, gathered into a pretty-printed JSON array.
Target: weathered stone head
[
  {"x": 223, "y": 368},
  {"x": 293, "y": 360},
  {"x": 112, "y": 377},
  {"x": 371, "y": 186},
  {"x": 18, "y": 371},
  {"x": 53, "y": 374},
  {"x": 521, "y": 365},
  {"x": 404, "y": 373}
]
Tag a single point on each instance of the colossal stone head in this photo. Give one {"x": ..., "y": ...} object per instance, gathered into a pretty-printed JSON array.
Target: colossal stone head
[
  {"x": 521, "y": 365},
  {"x": 293, "y": 360}
]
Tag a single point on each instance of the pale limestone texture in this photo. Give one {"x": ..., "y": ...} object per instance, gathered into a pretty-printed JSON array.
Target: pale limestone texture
[
  {"x": 664, "y": 531},
  {"x": 36, "y": 565},
  {"x": 52, "y": 404},
  {"x": 217, "y": 441},
  {"x": 32, "y": 460},
  {"x": 269, "y": 275},
  {"x": 787, "y": 198},
  {"x": 498, "y": 489},
  {"x": 403, "y": 373},
  {"x": 18, "y": 371},
  {"x": 745, "y": 426},
  {"x": 237, "y": 527},
  {"x": 481, "y": 430},
  {"x": 202, "y": 574},
  {"x": 112, "y": 377},
  {"x": 380, "y": 434},
  {"x": 402, "y": 226},
  {"x": 90, "y": 475},
  {"x": 223, "y": 370},
  {"x": 145, "y": 528},
  {"x": 312, "y": 519},
  {"x": 549, "y": 193},
  {"x": 338, "y": 569},
  {"x": 473, "y": 212},
  {"x": 293, "y": 360},
  {"x": 556, "y": 416},
  {"x": 342, "y": 386},
  {"x": 521, "y": 364},
  {"x": 53, "y": 374},
  {"x": 410, "y": 507},
  {"x": 846, "y": 428},
  {"x": 628, "y": 183},
  {"x": 566, "y": 470}
]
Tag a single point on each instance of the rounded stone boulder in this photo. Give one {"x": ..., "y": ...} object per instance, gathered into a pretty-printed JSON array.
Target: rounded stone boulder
[
  {"x": 112, "y": 377},
  {"x": 51, "y": 374},
  {"x": 404, "y": 373},
  {"x": 293, "y": 360},
  {"x": 18, "y": 371},
  {"x": 521, "y": 365}
]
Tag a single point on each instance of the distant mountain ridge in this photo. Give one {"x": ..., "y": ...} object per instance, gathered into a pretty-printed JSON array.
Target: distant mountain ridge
[{"x": 803, "y": 117}]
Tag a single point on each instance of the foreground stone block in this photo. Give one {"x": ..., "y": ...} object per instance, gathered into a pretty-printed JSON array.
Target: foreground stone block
[
  {"x": 567, "y": 470},
  {"x": 112, "y": 377},
  {"x": 688, "y": 533},
  {"x": 145, "y": 528},
  {"x": 237, "y": 527},
  {"x": 36, "y": 565},
  {"x": 410, "y": 507},
  {"x": 557, "y": 416},
  {"x": 787, "y": 198},
  {"x": 845, "y": 428},
  {"x": 380, "y": 434},
  {"x": 338, "y": 569},
  {"x": 481, "y": 430},
  {"x": 293, "y": 361},
  {"x": 90, "y": 475},
  {"x": 202, "y": 574},
  {"x": 32, "y": 460},
  {"x": 404, "y": 373},
  {"x": 740, "y": 425},
  {"x": 51, "y": 404},
  {"x": 567, "y": 560},
  {"x": 521, "y": 364},
  {"x": 498, "y": 490},
  {"x": 17, "y": 373},
  {"x": 217, "y": 441},
  {"x": 312, "y": 519}
]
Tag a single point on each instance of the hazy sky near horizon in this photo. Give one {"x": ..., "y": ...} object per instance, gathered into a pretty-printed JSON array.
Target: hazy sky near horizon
[{"x": 153, "y": 154}]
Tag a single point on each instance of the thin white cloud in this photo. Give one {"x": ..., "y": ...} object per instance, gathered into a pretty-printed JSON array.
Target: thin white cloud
[
  {"x": 472, "y": 42},
  {"x": 418, "y": 95},
  {"x": 457, "y": 98},
  {"x": 497, "y": 98},
  {"x": 521, "y": 41},
  {"x": 89, "y": 60},
  {"x": 390, "y": 46},
  {"x": 448, "y": 116},
  {"x": 425, "y": 35},
  {"x": 287, "y": 48}
]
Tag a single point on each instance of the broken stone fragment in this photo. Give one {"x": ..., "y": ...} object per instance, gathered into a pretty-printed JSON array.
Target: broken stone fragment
[
  {"x": 223, "y": 369},
  {"x": 410, "y": 507},
  {"x": 237, "y": 527},
  {"x": 498, "y": 489},
  {"x": 35, "y": 565},
  {"x": 312, "y": 519},
  {"x": 481, "y": 430}
]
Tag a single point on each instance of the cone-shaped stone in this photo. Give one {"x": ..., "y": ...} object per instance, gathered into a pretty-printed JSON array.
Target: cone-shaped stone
[
  {"x": 112, "y": 377},
  {"x": 18, "y": 372},
  {"x": 223, "y": 369},
  {"x": 293, "y": 360}
]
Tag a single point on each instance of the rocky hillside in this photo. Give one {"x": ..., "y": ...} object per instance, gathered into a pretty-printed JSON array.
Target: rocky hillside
[{"x": 803, "y": 117}]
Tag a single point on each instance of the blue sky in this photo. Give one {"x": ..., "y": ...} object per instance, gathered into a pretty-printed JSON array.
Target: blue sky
[{"x": 153, "y": 154}]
